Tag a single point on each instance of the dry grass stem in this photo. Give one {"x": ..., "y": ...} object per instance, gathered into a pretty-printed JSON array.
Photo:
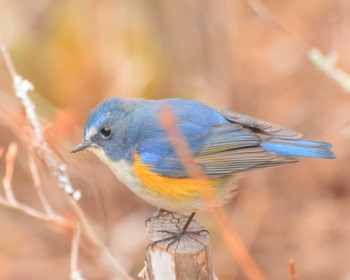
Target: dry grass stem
[
  {"x": 79, "y": 225},
  {"x": 37, "y": 184},
  {"x": 261, "y": 10},
  {"x": 292, "y": 269},
  {"x": 22, "y": 87},
  {"x": 75, "y": 272},
  {"x": 326, "y": 63},
  {"x": 10, "y": 200},
  {"x": 10, "y": 159},
  {"x": 231, "y": 237},
  {"x": 266, "y": 15}
]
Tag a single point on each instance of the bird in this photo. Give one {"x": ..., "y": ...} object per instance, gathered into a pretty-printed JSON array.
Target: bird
[{"x": 129, "y": 137}]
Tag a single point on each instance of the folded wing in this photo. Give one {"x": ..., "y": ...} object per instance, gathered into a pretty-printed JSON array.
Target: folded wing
[{"x": 232, "y": 148}]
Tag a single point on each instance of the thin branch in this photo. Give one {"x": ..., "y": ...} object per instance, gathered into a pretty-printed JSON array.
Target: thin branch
[
  {"x": 10, "y": 159},
  {"x": 26, "y": 209},
  {"x": 8, "y": 60},
  {"x": 267, "y": 16},
  {"x": 328, "y": 65},
  {"x": 22, "y": 87},
  {"x": 324, "y": 62},
  {"x": 194, "y": 171},
  {"x": 261, "y": 10},
  {"x": 93, "y": 238},
  {"x": 59, "y": 170},
  {"x": 38, "y": 187},
  {"x": 10, "y": 200},
  {"x": 74, "y": 257},
  {"x": 292, "y": 269}
]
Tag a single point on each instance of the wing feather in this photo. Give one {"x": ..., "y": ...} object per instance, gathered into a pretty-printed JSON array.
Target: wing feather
[
  {"x": 239, "y": 160},
  {"x": 228, "y": 137},
  {"x": 222, "y": 142},
  {"x": 232, "y": 149},
  {"x": 260, "y": 126}
]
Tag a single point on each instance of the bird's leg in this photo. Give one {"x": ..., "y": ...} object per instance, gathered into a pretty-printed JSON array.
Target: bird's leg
[
  {"x": 188, "y": 223},
  {"x": 176, "y": 236}
]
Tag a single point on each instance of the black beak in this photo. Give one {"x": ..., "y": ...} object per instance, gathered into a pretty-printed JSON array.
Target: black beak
[{"x": 82, "y": 146}]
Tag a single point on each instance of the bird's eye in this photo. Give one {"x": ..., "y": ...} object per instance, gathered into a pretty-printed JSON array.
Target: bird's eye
[{"x": 106, "y": 132}]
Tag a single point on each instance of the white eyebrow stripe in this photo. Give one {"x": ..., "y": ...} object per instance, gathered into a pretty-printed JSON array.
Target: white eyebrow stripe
[{"x": 92, "y": 131}]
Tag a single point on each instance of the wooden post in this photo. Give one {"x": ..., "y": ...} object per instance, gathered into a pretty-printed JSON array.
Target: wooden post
[{"x": 185, "y": 260}]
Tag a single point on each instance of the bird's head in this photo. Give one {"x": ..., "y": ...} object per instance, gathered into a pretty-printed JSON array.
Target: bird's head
[{"x": 106, "y": 127}]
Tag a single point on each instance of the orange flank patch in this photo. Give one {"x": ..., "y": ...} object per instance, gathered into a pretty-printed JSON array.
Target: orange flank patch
[{"x": 172, "y": 188}]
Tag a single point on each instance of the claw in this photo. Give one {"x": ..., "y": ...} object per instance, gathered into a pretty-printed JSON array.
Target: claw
[{"x": 176, "y": 236}]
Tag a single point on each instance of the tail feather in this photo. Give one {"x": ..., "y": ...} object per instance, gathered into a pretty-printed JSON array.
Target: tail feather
[{"x": 299, "y": 148}]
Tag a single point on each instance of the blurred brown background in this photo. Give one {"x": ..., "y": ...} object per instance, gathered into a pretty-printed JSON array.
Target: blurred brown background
[{"x": 78, "y": 53}]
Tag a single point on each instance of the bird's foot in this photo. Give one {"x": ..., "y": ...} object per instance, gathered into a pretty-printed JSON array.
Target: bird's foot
[{"x": 174, "y": 235}]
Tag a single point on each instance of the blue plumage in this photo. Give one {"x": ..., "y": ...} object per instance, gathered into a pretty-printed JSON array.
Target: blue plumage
[
  {"x": 97, "y": 115},
  {"x": 195, "y": 121},
  {"x": 128, "y": 136},
  {"x": 222, "y": 142},
  {"x": 299, "y": 148}
]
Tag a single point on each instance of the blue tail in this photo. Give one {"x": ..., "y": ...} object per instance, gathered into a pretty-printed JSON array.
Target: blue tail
[{"x": 298, "y": 148}]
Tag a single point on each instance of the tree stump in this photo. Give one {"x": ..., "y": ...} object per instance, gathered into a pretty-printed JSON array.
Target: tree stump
[{"x": 187, "y": 259}]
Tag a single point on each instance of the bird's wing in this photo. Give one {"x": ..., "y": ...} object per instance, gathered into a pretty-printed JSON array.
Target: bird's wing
[
  {"x": 226, "y": 152},
  {"x": 157, "y": 152},
  {"x": 260, "y": 126},
  {"x": 222, "y": 142},
  {"x": 225, "y": 149}
]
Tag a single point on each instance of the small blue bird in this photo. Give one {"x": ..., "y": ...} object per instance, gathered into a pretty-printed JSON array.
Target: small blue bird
[{"x": 128, "y": 136}]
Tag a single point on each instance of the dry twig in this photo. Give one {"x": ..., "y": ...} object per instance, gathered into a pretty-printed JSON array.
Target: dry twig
[
  {"x": 10, "y": 201},
  {"x": 324, "y": 62},
  {"x": 59, "y": 170},
  {"x": 293, "y": 272},
  {"x": 194, "y": 171},
  {"x": 22, "y": 87}
]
